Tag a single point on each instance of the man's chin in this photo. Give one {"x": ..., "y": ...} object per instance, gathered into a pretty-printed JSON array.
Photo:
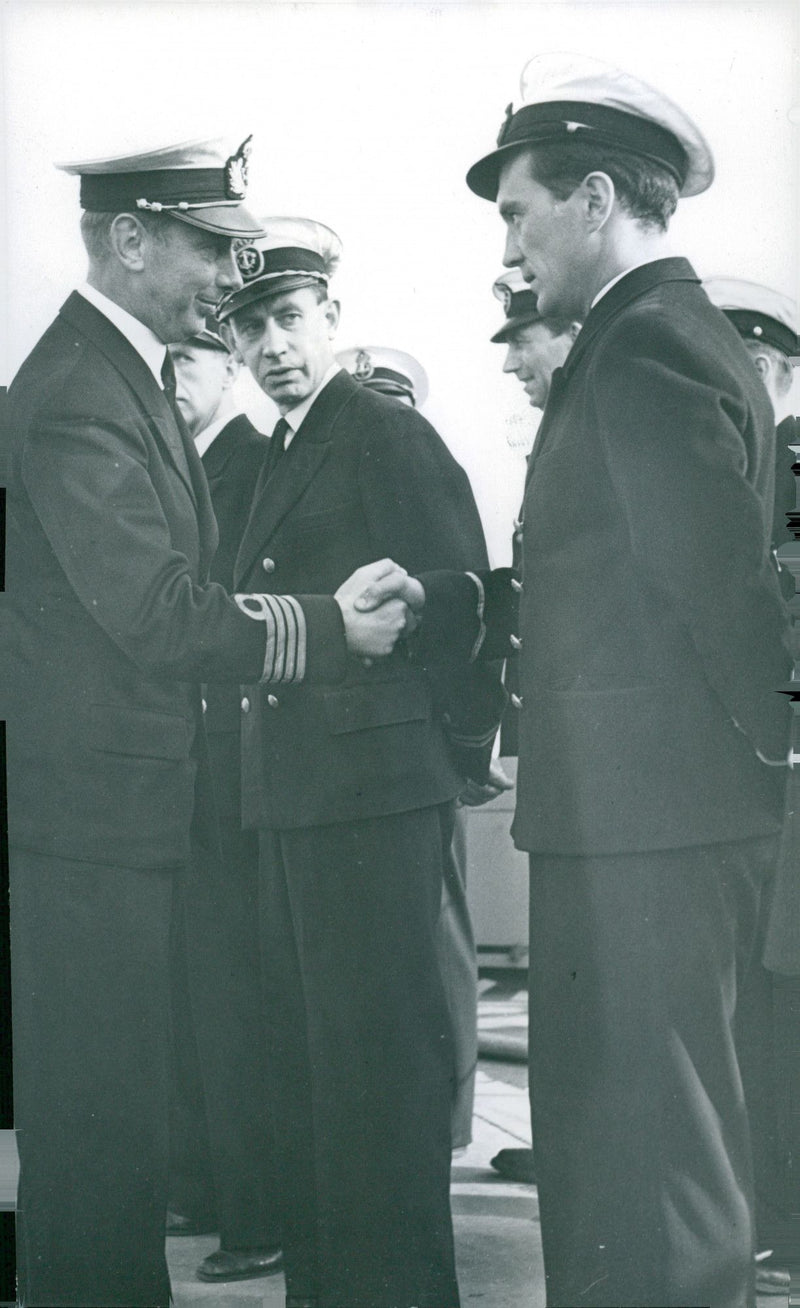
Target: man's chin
[{"x": 287, "y": 395}]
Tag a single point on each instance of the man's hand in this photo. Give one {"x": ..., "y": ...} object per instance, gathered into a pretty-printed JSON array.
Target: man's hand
[
  {"x": 393, "y": 583},
  {"x": 473, "y": 794},
  {"x": 373, "y": 629}
]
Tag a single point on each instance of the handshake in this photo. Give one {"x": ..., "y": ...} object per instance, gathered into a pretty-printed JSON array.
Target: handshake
[{"x": 379, "y": 604}]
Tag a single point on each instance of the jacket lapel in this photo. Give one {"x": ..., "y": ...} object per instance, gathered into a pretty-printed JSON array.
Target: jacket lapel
[
  {"x": 634, "y": 284},
  {"x": 129, "y": 363},
  {"x": 275, "y": 496}
]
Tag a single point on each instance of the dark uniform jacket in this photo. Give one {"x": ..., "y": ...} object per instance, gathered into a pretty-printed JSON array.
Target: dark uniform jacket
[
  {"x": 650, "y": 615},
  {"x": 231, "y": 463},
  {"x": 364, "y": 478},
  {"x": 108, "y": 625}
]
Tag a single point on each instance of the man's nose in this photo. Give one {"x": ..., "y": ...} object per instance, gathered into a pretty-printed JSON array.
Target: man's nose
[
  {"x": 228, "y": 275},
  {"x": 512, "y": 255},
  {"x": 510, "y": 363},
  {"x": 273, "y": 342}
]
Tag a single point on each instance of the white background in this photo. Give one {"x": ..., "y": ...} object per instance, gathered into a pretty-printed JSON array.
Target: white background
[{"x": 366, "y": 116}]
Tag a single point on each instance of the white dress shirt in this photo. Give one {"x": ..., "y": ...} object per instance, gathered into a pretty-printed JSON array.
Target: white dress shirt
[
  {"x": 144, "y": 342},
  {"x": 296, "y": 415}
]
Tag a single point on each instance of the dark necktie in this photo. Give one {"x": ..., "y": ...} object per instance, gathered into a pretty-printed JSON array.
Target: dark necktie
[
  {"x": 170, "y": 393},
  {"x": 169, "y": 383},
  {"x": 276, "y": 445}
]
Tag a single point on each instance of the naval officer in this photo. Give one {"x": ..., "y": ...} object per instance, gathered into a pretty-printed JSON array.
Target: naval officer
[
  {"x": 651, "y": 629},
  {"x": 109, "y": 627},
  {"x": 352, "y": 793}
]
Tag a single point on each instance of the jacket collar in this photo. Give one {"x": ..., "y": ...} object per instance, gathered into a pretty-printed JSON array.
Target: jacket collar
[
  {"x": 274, "y": 498},
  {"x": 316, "y": 424},
  {"x": 109, "y": 340},
  {"x": 630, "y": 287}
]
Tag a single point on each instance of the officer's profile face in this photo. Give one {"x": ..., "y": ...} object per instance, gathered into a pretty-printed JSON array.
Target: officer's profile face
[
  {"x": 545, "y": 238},
  {"x": 202, "y": 378},
  {"x": 287, "y": 343},
  {"x": 186, "y": 271},
  {"x": 533, "y": 353}
]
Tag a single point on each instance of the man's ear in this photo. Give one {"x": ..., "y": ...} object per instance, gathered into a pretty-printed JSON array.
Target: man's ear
[
  {"x": 128, "y": 240},
  {"x": 332, "y": 311},
  {"x": 232, "y": 364},
  {"x": 763, "y": 366},
  {"x": 598, "y": 194},
  {"x": 573, "y": 329}
]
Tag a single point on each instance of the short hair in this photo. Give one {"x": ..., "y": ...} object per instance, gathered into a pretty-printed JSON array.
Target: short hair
[
  {"x": 782, "y": 366},
  {"x": 645, "y": 189},
  {"x": 95, "y": 229}
]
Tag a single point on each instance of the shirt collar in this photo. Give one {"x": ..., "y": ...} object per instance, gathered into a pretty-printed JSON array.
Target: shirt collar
[
  {"x": 144, "y": 341},
  {"x": 295, "y": 416},
  {"x": 204, "y": 439}
]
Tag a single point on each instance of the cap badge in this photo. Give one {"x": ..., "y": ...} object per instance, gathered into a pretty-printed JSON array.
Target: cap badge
[
  {"x": 236, "y": 168},
  {"x": 250, "y": 261},
  {"x": 506, "y": 123},
  {"x": 506, "y": 297},
  {"x": 364, "y": 366}
]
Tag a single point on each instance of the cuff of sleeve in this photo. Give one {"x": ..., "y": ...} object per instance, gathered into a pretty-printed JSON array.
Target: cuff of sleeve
[
  {"x": 326, "y": 644},
  {"x": 286, "y": 631},
  {"x": 481, "y": 610},
  {"x": 450, "y": 626}
]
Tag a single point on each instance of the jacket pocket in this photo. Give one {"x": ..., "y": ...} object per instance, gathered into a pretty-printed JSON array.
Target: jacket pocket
[
  {"x": 138, "y": 732},
  {"x": 357, "y": 708}
]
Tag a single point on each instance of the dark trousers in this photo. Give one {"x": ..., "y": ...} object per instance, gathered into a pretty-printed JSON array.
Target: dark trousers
[
  {"x": 642, "y": 1143},
  {"x": 219, "y": 903},
  {"x": 91, "y": 1036},
  {"x": 191, "y": 1184},
  {"x": 458, "y": 961},
  {"x": 362, "y": 1059}
]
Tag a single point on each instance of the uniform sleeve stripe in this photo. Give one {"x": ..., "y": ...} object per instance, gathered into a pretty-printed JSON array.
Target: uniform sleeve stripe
[
  {"x": 476, "y": 648},
  {"x": 273, "y": 664},
  {"x": 285, "y": 653},
  {"x": 300, "y": 637}
]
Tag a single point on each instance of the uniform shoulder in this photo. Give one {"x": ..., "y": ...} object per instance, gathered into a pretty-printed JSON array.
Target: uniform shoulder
[
  {"x": 675, "y": 325},
  {"x": 65, "y": 375},
  {"x": 391, "y": 419}
]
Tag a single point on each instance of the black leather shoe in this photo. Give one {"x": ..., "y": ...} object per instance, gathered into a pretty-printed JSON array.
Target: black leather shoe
[
  {"x": 515, "y": 1165},
  {"x": 183, "y": 1224},
  {"x": 240, "y": 1264}
]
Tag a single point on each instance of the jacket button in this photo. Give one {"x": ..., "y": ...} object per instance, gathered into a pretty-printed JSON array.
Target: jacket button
[
  {"x": 245, "y": 705},
  {"x": 516, "y": 700},
  {"x": 268, "y": 565},
  {"x": 516, "y": 585},
  {"x": 272, "y": 700},
  {"x": 516, "y": 643}
]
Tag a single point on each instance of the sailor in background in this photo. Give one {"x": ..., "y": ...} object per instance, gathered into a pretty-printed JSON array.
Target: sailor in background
[
  {"x": 535, "y": 348},
  {"x": 766, "y": 1024},
  {"x": 395, "y": 373}
]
